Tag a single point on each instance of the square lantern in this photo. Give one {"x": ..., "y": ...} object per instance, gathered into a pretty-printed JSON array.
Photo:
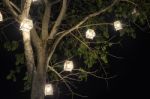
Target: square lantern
[
  {"x": 90, "y": 34},
  {"x": 1, "y": 17},
  {"x": 68, "y": 66},
  {"x": 48, "y": 89},
  {"x": 117, "y": 25},
  {"x": 26, "y": 25}
]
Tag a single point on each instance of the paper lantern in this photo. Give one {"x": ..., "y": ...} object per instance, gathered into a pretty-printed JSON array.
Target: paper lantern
[
  {"x": 26, "y": 25},
  {"x": 48, "y": 89},
  {"x": 1, "y": 17},
  {"x": 117, "y": 25},
  {"x": 90, "y": 34},
  {"x": 68, "y": 66}
]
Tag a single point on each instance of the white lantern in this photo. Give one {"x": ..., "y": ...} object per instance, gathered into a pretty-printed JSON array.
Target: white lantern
[
  {"x": 117, "y": 25},
  {"x": 1, "y": 17},
  {"x": 90, "y": 34},
  {"x": 26, "y": 25},
  {"x": 68, "y": 65},
  {"x": 48, "y": 89}
]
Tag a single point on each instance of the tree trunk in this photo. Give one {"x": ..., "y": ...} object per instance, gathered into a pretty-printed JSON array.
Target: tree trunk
[
  {"x": 39, "y": 76},
  {"x": 38, "y": 84}
]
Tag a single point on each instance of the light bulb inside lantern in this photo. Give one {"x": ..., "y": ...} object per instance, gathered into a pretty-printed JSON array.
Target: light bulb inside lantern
[
  {"x": 48, "y": 89},
  {"x": 26, "y": 25},
  {"x": 1, "y": 17},
  {"x": 90, "y": 34},
  {"x": 68, "y": 65},
  {"x": 117, "y": 25}
]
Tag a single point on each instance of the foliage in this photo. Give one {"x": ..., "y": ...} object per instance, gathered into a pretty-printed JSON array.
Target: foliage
[{"x": 75, "y": 45}]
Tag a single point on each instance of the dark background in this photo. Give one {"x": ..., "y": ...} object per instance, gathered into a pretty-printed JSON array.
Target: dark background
[{"x": 132, "y": 72}]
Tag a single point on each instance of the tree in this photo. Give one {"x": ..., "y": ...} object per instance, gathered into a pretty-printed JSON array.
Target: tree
[{"x": 58, "y": 34}]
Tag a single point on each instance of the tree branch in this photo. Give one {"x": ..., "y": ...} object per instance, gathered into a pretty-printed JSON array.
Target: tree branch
[
  {"x": 52, "y": 69},
  {"x": 14, "y": 13},
  {"x": 55, "y": 2},
  {"x": 59, "y": 20},
  {"x": 26, "y": 9},
  {"x": 128, "y": 1},
  {"x": 45, "y": 21},
  {"x": 28, "y": 53},
  {"x": 76, "y": 26},
  {"x": 45, "y": 1}
]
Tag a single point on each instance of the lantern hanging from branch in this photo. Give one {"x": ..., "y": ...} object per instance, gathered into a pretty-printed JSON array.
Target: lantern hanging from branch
[
  {"x": 26, "y": 25},
  {"x": 48, "y": 89},
  {"x": 1, "y": 17},
  {"x": 68, "y": 65},
  {"x": 90, "y": 34},
  {"x": 117, "y": 25}
]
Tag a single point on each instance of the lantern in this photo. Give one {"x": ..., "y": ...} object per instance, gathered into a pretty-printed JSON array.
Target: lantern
[
  {"x": 68, "y": 66},
  {"x": 48, "y": 89},
  {"x": 90, "y": 34},
  {"x": 1, "y": 17},
  {"x": 26, "y": 25},
  {"x": 117, "y": 25}
]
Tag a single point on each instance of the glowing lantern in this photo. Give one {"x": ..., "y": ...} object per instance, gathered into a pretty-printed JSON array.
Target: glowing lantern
[
  {"x": 90, "y": 34},
  {"x": 1, "y": 17},
  {"x": 68, "y": 66},
  {"x": 117, "y": 25},
  {"x": 26, "y": 25},
  {"x": 48, "y": 89}
]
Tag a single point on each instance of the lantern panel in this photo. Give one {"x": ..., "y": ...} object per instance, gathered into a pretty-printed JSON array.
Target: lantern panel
[
  {"x": 90, "y": 34},
  {"x": 117, "y": 25},
  {"x": 68, "y": 66},
  {"x": 26, "y": 25},
  {"x": 48, "y": 89},
  {"x": 1, "y": 17}
]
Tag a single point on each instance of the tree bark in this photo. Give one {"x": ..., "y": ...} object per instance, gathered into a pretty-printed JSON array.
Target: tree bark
[
  {"x": 39, "y": 76},
  {"x": 38, "y": 84}
]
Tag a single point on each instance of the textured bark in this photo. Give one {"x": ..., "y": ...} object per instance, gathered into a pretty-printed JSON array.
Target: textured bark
[
  {"x": 28, "y": 53},
  {"x": 39, "y": 76},
  {"x": 38, "y": 84}
]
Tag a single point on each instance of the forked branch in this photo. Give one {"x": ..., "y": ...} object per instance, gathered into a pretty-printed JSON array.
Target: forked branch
[
  {"x": 59, "y": 19},
  {"x": 77, "y": 26}
]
